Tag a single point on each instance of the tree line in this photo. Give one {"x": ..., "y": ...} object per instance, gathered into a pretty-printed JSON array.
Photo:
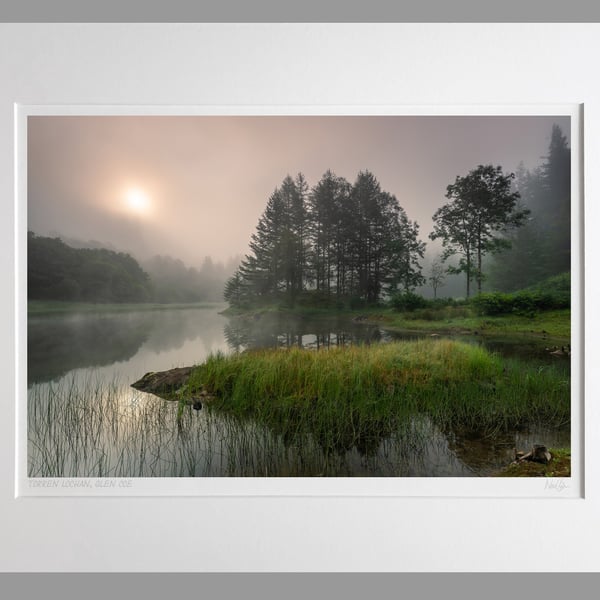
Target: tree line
[
  {"x": 352, "y": 244},
  {"x": 333, "y": 243},
  {"x": 173, "y": 281},
  {"x": 541, "y": 248},
  {"x": 342, "y": 244},
  {"x": 58, "y": 271}
]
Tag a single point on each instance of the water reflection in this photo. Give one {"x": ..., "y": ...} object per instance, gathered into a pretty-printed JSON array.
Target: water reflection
[
  {"x": 118, "y": 432},
  {"x": 273, "y": 330},
  {"x": 486, "y": 453},
  {"x": 85, "y": 420},
  {"x": 59, "y": 344}
]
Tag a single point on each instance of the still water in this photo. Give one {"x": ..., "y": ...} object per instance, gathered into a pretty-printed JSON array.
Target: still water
[{"x": 84, "y": 419}]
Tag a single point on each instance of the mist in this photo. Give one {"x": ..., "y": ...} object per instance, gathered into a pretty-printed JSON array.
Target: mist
[{"x": 201, "y": 183}]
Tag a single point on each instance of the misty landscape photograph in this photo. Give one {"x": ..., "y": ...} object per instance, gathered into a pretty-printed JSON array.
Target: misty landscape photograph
[{"x": 299, "y": 296}]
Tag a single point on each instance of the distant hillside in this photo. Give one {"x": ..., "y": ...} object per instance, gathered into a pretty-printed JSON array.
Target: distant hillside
[
  {"x": 173, "y": 281},
  {"x": 67, "y": 269},
  {"x": 56, "y": 271},
  {"x": 77, "y": 243}
]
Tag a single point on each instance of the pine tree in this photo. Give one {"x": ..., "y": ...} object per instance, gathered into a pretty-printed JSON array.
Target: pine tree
[
  {"x": 329, "y": 233},
  {"x": 405, "y": 249},
  {"x": 366, "y": 193},
  {"x": 338, "y": 241},
  {"x": 542, "y": 248}
]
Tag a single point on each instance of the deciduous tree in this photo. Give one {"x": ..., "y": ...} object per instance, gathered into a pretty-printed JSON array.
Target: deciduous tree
[{"x": 482, "y": 209}]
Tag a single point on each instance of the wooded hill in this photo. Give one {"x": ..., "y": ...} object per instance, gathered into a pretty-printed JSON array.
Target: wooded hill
[{"x": 56, "y": 271}]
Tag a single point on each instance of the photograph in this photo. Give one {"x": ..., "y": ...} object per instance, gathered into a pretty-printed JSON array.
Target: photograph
[{"x": 298, "y": 296}]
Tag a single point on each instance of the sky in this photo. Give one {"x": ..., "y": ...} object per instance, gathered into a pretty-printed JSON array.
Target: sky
[{"x": 195, "y": 186}]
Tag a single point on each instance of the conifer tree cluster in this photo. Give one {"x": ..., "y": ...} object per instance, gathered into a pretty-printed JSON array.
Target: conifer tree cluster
[
  {"x": 332, "y": 244},
  {"x": 339, "y": 244},
  {"x": 542, "y": 247}
]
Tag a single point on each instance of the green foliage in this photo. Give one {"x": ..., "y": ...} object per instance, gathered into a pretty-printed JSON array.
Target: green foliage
[
  {"x": 542, "y": 247},
  {"x": 319, "y": 299},
  {"x": 558, "y": 284},
  {"x": 526, "y": 303},
  {"x": 482, "y": 208},
  {"x": 360, "y": 386},
  {"x": 56, "y": 271},
  {"x": 335, "y": 245},
  {"x": 408, "y": 301},
  {"x": 552, "y": 293},
  {"x": 436, "y": 309}
]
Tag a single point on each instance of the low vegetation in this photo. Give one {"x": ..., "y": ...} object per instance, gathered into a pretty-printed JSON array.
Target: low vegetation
[
  {"x": 345, "y": 394},
  {"x": 552, "y": 326},
  {"x": 542, "y": 310},
  {"x": 523, "y": 303},
  {"x": 364, "y": 409}
]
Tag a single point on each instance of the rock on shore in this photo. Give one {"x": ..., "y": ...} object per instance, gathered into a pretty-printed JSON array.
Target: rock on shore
[{"x": 164, "y": 383}]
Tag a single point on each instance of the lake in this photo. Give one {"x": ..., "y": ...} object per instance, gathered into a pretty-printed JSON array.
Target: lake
[{"x": 84, "y": 419}]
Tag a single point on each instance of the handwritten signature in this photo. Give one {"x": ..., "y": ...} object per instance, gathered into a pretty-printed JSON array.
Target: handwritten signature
[{"x": 558, "y": 486}]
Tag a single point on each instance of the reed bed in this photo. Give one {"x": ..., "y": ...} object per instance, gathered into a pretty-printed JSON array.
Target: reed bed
[
  {"x": 382, "y": 410},
  {"x": 354, "y": 387}
]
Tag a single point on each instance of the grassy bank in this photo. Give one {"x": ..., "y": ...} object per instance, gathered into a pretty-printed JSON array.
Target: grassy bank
[
  {"x": 463, "y": 319},
  {"x": 397, "y": 409},
  {"x": 347, "y": 395}
]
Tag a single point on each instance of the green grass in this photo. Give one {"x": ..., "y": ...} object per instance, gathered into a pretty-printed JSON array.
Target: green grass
[
  {"x": 293, "y": 412},
  {"x": 41, "y": 307},
  {"x": 346, "y": 393},
  {"x": 462, "y": 319}
]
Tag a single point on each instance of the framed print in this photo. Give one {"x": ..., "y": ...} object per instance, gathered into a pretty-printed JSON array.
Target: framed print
[
  {"x": 302, "y": 289},
  {"x": 147, "y": 376}
]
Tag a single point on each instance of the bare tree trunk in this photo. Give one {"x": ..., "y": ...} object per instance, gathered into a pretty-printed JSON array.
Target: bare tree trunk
[
  {"x": 479, "y": 269},
  {"x": 468, "y": 275}
]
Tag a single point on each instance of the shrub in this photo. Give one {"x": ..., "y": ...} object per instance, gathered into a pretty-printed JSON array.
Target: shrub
[
  {"x": 407, "y": 302},
  {"x": 555, "y": 285},
  {"x": 521, "y": 303}
]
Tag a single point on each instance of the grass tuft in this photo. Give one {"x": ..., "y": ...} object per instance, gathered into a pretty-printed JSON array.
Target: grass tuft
[{"x": 452, "y": 382}]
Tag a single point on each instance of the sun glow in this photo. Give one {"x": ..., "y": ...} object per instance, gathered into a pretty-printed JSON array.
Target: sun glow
[{"x": 137, "y": 201}]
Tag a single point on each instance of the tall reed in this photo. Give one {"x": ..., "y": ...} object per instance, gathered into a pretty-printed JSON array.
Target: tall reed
[{"x": 371, "y": 410}]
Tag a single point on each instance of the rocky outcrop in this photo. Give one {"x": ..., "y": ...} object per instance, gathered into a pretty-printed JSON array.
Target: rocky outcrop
[
  {"x": 164, "y": 383},
  {"x": 173, "y": 385}
]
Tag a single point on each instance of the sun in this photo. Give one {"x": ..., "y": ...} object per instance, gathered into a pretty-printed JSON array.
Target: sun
[{"x": 137, "y": 201}]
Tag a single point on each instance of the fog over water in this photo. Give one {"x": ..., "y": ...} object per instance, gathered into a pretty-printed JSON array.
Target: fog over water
[{"x": 196, "y": 186}]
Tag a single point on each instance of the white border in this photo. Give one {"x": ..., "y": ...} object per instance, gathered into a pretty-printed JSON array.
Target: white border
[
  {"x": 220, "y": 65},
  {"x": 570, "y": 487}
]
